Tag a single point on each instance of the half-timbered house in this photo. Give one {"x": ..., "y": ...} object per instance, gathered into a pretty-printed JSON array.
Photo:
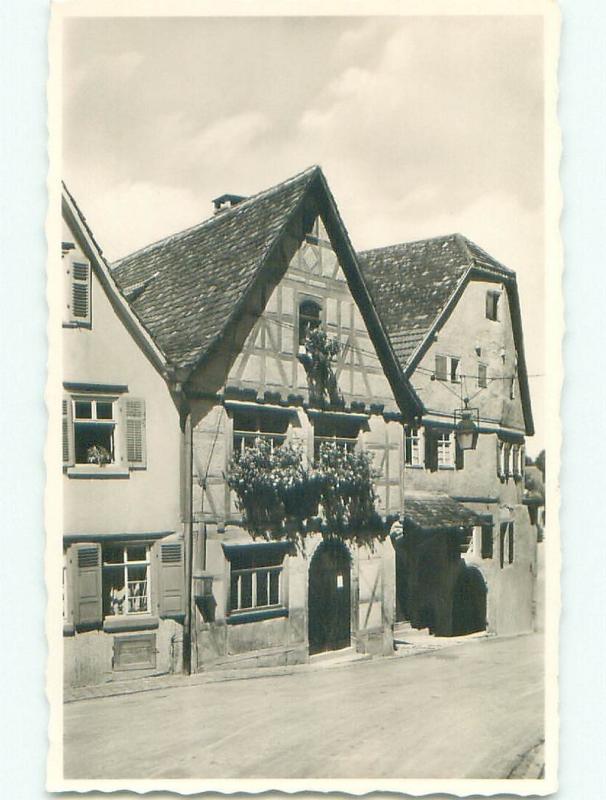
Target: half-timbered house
[
  {"x": 230, "y": 304},
  {"x": 467, "y": 553}
]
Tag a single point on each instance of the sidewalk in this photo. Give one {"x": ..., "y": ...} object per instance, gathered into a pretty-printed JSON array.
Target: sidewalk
[
  {"x": 407, "y": 642},
  {"x": 167, "y": 681}
]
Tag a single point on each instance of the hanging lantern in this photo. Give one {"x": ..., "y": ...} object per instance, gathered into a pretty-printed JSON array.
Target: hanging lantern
[{"x": 466, "y": 427}]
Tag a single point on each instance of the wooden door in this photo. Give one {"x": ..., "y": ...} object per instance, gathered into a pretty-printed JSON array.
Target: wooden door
[{"x": 329, "y": 601}]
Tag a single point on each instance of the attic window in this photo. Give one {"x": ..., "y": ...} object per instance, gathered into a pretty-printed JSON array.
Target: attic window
[
  {"x": 447, "y": 369},
  {"x": 492, "y": 305},
  {"x": 309, "y": 318}
]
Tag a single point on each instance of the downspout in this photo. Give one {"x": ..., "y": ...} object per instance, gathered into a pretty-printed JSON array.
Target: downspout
[{"x": 189, "y": 539}]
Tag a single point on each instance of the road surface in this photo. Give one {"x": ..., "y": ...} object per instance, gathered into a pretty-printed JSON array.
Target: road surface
[{"x": 470, "y": 711}]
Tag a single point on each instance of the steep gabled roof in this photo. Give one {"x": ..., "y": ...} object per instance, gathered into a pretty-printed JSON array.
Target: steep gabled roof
[
  {"x": 415, "y": 285},
  {"x": 189, "y": 289},
  {"x": 78, "y": 224},
  {"x": 412, "y": 283}
]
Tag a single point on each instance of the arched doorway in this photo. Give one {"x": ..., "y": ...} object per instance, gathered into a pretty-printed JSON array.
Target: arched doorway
[
  {"x": 469, "y": 602},
  {"x": 329, "y": 598}
]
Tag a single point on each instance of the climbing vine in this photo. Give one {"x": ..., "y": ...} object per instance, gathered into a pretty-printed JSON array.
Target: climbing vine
[{"x": 319, "y": 359}]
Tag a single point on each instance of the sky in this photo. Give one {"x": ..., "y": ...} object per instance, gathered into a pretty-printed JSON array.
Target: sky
[{"x": 423, "y": 126}]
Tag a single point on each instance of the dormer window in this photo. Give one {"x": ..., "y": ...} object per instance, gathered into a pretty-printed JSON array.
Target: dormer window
[
  {"x": 492, "y": 305},
  {"x": 309, "y": 318}
]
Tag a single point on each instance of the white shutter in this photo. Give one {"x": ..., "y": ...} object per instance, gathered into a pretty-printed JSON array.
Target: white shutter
[
  {"x": 134, "y": 432},
  {"x": 80, "y": 291},
  {"x": 67, "y": 432}
]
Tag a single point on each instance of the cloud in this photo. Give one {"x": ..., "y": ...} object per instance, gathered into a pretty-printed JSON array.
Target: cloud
[{"x": 423, "y": 125}]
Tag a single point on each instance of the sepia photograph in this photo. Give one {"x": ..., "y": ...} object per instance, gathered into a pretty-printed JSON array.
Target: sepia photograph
[{"x": 301, "y": 271}]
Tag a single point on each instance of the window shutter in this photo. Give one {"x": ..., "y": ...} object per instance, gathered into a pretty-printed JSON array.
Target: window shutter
[
  {"x": 134, "y": 432},
  {"x": 489, "y": 305},
  {"x": 431, "y": 451},
  {"x": 67, "y": 432},
  {"x": 171, "y": 595},
  {"x": 507, "y": 460},
  {"x": 459, "y": 455},
  {"x": 85, "y": 560},
  {"x": 441, "y": 368},
  {"x": 499, "y": 458},
  {"x": 422, "y": 437},
  {"x": 80, "y": 291}
]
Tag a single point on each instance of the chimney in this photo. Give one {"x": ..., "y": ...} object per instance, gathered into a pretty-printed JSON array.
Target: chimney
[{"x": 227, "y": 201}]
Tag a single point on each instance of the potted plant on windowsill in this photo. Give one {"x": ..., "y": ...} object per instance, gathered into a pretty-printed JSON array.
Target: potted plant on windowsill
[{"x": 97, "y": 454}]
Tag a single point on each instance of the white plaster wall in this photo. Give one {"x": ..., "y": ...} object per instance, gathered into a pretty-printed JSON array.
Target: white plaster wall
[{"x": 148, "y": 500}]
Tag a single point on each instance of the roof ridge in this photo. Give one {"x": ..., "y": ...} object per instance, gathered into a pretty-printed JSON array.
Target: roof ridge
[
  {"x": 491, "y": 261},
  {"x": 414, "y": 241},
  {"x": 315, "y": 168}
]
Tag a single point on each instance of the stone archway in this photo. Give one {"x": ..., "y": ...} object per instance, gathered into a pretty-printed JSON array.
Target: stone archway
[
  {"x": 329, "y": 598},
  {"x": 469, "y": 602}
]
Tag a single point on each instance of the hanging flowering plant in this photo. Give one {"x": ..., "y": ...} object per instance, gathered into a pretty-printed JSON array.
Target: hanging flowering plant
[
  {"x": 346, "y": 493},
  {"x": 271, "y": 487},
  {"x": 320, "y": 355},
  {"x": 281, "y": 498}
]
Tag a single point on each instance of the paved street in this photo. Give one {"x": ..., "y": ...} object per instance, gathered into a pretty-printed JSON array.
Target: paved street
[{"x": 470, "y": 711}]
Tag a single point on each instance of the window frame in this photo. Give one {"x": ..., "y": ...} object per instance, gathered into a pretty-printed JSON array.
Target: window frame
[
  {"x": 482, "y": 377},
  {"x": 442, "y": 439},
  {"x": 494, "y": 295},
  {"x": 413, "y": 446},
  {"x": 311, "y": 321},
  {"x": 347, "y": 443},
  {"x": 268, "y": 559},
  {"x": 126, "y": 564},
  {"x": 276, "y": 438},
  {"x": 448, "y": 376},
  {"x": 94, "y": 420},
  {"x": 254, "y": 572}
]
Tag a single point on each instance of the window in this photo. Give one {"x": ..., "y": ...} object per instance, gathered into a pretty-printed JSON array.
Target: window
[
  {"x": 339, "y": 429},
  {"x": 94, "y": 430},
  {"x": 500, "y": 465},
  {"x": 125, "y": 577},
  {"x": 78, "y": 291},
  {"x": 486, "y": 547},
  {"x": 309, "y": 318},
  {"x": 506, "y": 460},
  {"x": 492, "y": 305},
  {"x": 514, "y": 381},
  {"x": 515, "y": 460},
  {"x": 445, "y": 449},
  {"x": 482, "y": 376},
  {"x": 442, "y": 451},
  {"x": 252, "y": 424},
  {"x": 510, "y": 543},
  {"x": 109, "y": 584},
  {"x": 447, "y": 369},
  {"x": 103, "y": 432},
  {"x": 255, "y": 577},
  {"x": 412, "y": 447},
  {"x": 506, "y": 544}
]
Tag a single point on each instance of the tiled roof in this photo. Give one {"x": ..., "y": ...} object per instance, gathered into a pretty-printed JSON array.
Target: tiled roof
[
  {"x": 187, "y": 288},
  {"x": 438, "y": 512},
  {"x": 411, "y": 284}
]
